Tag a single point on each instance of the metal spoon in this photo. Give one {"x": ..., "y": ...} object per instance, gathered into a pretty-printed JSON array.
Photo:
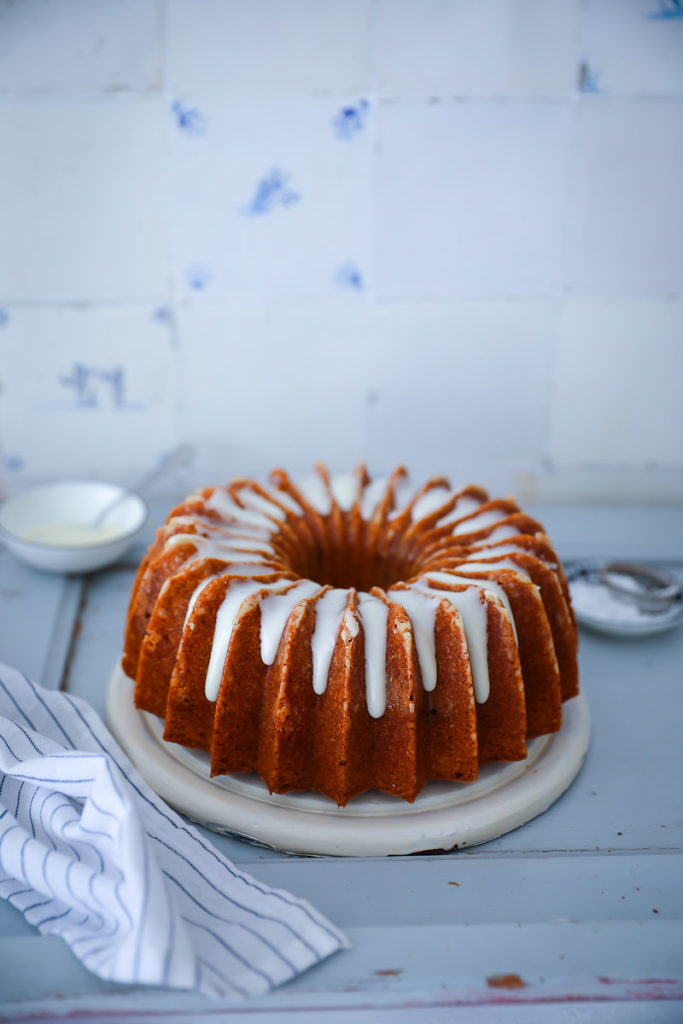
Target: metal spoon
[
  {"x": 177, "y": 459},
  {"x": 656, "y": 590}
]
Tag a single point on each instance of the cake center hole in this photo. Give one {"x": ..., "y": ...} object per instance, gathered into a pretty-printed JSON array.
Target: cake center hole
[{"x": 346, "y": 561}]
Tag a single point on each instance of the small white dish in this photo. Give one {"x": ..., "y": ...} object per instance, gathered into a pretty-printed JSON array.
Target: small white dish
[
  {"x": 445, "y": 816},
  {"x": 599, "y": 608},
  {"x": 40, "y": 512},
  {"x": 659, "y": 624}
]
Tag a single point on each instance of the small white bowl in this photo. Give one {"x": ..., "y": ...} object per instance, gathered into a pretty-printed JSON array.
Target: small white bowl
[{"x": 70, "y": 503}]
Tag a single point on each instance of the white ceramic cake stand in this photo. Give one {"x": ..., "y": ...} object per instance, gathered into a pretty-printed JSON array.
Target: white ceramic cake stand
[{"x": 445, "y": 816}]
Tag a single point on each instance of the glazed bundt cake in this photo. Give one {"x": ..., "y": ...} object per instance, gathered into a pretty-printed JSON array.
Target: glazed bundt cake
[{"x": 351, "y": 633}]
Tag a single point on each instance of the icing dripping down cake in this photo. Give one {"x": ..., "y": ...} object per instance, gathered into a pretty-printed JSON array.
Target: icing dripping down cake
[{"x": 351, "y": 633}]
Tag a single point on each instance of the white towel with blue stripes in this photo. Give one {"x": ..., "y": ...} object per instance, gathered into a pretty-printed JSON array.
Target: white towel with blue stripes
[{"x": 88, "y": 852}]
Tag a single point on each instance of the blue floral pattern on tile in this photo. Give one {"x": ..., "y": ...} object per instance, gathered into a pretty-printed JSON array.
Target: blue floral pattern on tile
[
  {"x": 91, "y": 384},
  {"x": 189, "y": 119},
  {"x": 350, "y": 121},
  {"x": 271, "y": 191},
  {"x": 667, "y": 9},
  {"x": 4, "y": 317},
  {"x": 588, "y": 79},
  {"x": 349, "y": 276},
  {"x": 13, "y": 463},
  {"x": 198, "y": 277},
  {"x": 162, "y": 315}
]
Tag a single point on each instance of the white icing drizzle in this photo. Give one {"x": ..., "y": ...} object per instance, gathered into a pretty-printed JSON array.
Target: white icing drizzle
[
  {"x": 490, "y": 585},
  {"x": 277, "y": 494},
  {"x": 230, "y": 555},
  {"x": 248, "y": 569},
  {"x": 235, "y": 596},
  {"x": 239, "y": 555},
  {"x": 345, "y": 490},
  {"x": 329, "y": 613},
  {"x": 207, "y": 547},
  {"x": 465, "y": 506},
  {"x": 246, "y": 543},
  {"x": 221, "y": 502},
  {"x": 176, "y": 539},
  {"x": 195, "y": 594},
  {"x": 252, "y": 499},
  {"x": 372, "y": 496},
  {"x": 430, "y": 502},
  {"x": 187, "y": 521},
  {"x": 275, "y": 610},
  {"x": 496, "y": 563},
  {"x": 490, "y": 550},
  {"x": 421, "y": 608},
  {"x": 500, "y": 533},
  {"x": 219, "y": 533},
  {"x": 404, "y": 492},
  {"x": 479, "y": 522},
  {"x": 351, "y": 623},
  {"x": 373, "y": 614},
  {"x": 317, "y": 494},
  {"x": 473, "y": 613}
]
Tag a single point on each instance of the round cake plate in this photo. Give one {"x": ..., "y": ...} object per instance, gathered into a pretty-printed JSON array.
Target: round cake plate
[{"x": 445, "y": 816}]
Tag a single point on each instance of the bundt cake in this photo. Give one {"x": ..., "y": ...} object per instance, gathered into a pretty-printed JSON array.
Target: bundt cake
[{"x": 351, "y": 633}]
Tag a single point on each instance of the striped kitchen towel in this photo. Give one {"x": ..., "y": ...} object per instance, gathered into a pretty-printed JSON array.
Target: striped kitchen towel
[{"x": 90, "y": 853}]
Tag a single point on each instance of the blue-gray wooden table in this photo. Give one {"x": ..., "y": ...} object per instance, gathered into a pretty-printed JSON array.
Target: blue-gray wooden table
[{"x": 575, "y": 916}]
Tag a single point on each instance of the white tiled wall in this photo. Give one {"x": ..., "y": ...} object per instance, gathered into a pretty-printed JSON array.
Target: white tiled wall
[
  {"x": 81, "y": 381},
  {"x": 470, "y": 197},
  {"x": 625, "y": 224},
  {"x": 516, "y": 48},
  {"x": 267, "y": 46},
  {"x": 443, "y": 232},
  {"x": 274, "y": 384},
  {"x": 84, "y": 215},
  {"x": 254, "y": 216}
]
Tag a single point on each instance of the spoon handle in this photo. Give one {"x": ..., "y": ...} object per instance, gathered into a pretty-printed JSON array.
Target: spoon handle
[
  {"x": 654, "y": 590},
  {"x": 177, "y": 459}
]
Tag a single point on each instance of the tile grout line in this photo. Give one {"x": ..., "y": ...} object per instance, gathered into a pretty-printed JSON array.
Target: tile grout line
[{"x": 78, "y": 600}]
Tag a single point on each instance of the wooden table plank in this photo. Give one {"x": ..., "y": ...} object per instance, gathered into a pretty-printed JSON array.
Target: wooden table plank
[
  {"x": 570, "y": 1011},
  {"x": 588, "y": 929},
  {"x": 450, "y": 966},
  {"x": 39, "y": 612},
  {"x": 99, "y": 644},
  {"x": 472, "y": 889}
]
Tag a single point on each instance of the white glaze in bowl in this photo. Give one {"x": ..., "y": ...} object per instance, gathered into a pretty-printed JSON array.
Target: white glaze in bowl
[{"x": 73, "y": 503}]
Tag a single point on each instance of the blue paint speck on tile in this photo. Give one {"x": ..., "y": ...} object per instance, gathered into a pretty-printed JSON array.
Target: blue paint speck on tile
[
  {"x": 162, "y": 315},
  {"x": 588, "y": 79},
  {"x": 14, "y": 463},
  {"x": 4, "y": 317},
  {"x": 90, "y": 384},
  {"x": 81, "y": 381},
  {"x": 350, "y": 121},
  {"x": 667, "y": 10},
  {"x": 116, "y": 379},
  {"x": 189, "y": 119},
  {"x": 349, "y": 276},
  {"x": 271, "y": 191},
  {"x": 198, "y": 277}
]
